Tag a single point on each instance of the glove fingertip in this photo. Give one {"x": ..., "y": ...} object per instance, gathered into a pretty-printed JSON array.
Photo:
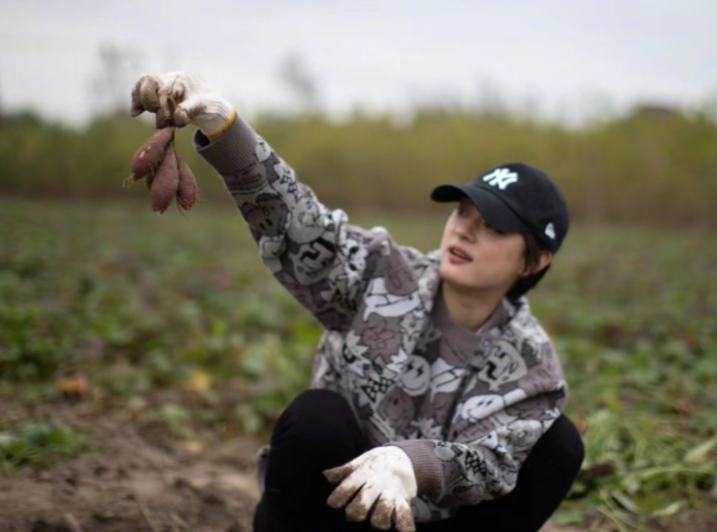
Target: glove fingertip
[
  {"x": 381, "y": 515},
  {"x": 336, "y": 474},
  {"x": 404, "y": 520},
  {"x": 181, "y": 118},
  {"x": 337, "y": 499}
]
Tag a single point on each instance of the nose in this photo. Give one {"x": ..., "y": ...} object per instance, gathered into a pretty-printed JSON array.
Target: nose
[{"x": 463, "y": 230}]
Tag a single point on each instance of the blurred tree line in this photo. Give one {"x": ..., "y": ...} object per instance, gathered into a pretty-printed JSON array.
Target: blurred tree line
[{"x": 651, "y": 166}]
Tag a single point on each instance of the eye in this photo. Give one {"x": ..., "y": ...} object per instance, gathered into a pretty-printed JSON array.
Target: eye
[{"x": 461, "y": 210}]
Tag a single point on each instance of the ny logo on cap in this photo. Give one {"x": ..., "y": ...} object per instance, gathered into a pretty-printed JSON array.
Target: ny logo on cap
[
  {"x": 550, "y": 230},
  {"x": 501, "y": 177}
]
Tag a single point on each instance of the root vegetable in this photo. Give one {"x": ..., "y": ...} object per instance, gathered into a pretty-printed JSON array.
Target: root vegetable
[
  {"x": 166, "y": 174},
  {"x": 187, "y": 192},
  {"x": 149, "y": 155},
  {"x": 166, "y": 181}
]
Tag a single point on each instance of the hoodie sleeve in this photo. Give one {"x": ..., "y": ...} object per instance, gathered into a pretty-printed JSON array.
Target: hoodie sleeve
[
  {"x": 490, "y": 439},
  {"x": 322, "y": 260}
]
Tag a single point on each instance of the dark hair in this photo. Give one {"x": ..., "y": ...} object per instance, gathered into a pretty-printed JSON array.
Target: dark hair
[{"x": 531, "y": 255}]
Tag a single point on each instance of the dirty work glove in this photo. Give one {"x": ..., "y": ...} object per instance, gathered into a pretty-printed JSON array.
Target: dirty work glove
[
  {"x": 179, "y": 99},
  {"x": 384, "y": 474}
]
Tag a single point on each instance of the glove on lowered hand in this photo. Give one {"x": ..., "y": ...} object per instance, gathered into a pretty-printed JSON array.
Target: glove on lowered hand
[
  {"x": 384, "y": 474},
  {"x": 179, "y": 99}
]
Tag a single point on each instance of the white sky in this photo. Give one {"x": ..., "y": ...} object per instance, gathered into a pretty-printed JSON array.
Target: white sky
[{"x": 574, "y": 58}]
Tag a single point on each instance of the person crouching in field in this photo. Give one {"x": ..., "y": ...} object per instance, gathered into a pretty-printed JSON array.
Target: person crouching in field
[{"x": 436, "y": 400}]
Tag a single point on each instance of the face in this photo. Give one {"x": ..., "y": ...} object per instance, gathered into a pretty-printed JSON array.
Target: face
[{"x": 474, "y": 256}]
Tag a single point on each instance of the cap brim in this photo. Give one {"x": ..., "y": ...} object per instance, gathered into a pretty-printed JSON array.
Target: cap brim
[{"x": 493, "y": 209}]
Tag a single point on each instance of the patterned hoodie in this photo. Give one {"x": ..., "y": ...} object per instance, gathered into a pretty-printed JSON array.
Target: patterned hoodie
[{"x": 466, "y": 407}]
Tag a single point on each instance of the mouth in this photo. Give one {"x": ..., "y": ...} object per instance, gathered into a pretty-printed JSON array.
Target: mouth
[{"x": 460, "y": 253}]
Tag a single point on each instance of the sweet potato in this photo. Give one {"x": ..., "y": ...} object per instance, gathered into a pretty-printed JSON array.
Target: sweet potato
[
  {"x": 149, "y": 155},
  {"x": 150, "y": 177},
  {"x": 187, "y": 192},
  {"x": 166, "y": 181}
]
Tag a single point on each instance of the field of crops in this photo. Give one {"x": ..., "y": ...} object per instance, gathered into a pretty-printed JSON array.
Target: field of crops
[{"x": 174, "y": 318}]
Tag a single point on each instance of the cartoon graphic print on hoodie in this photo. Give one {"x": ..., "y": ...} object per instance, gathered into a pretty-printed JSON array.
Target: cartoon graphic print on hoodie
[{"x": 467, "y": 407}]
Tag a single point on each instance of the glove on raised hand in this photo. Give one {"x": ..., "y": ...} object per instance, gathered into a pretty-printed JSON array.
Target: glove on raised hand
[
  {"x": 179, "y": 99},
  {"x": 384, "y": 474}
]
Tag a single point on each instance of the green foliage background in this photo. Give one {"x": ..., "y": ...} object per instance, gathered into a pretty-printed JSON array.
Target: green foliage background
[{"x": 644, "y": 167}]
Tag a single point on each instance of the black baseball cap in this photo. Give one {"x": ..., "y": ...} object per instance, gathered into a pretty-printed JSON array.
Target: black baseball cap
[{"x": 516, "y": 198}]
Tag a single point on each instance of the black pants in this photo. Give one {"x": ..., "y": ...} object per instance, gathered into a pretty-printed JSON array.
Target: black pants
[{"x": 318, "y": 431}]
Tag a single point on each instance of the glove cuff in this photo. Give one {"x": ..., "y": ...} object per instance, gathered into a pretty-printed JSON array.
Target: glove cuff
[
  {"x": 426, "y": 465},
  {"x": 217, "y": 119}
]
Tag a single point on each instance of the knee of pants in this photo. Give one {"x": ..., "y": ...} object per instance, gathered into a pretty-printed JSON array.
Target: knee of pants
[
  {"x": 565, "y": 444},
  {"x": 315, "y": 417}
]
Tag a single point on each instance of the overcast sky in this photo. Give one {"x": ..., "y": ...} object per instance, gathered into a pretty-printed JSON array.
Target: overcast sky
[{"x": 565, "y": 58}]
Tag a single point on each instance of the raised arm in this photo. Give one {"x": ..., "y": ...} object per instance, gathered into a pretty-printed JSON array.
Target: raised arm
[{"x": 322, "y": 260}]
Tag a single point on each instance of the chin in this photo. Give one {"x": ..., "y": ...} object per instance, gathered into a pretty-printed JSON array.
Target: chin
[
  {"x": 466, "y": 279},
  {"x": 455, "y": 278}
]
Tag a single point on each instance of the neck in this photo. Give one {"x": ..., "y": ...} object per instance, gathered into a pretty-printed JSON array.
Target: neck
[{"x": 470, "y": 309}]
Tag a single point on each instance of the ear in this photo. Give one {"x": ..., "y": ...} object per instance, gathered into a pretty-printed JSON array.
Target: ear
[{"x": 546, "y": 257}]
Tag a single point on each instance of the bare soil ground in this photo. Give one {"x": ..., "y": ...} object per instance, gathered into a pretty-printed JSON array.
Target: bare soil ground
[{"x": 133, "y": 481}]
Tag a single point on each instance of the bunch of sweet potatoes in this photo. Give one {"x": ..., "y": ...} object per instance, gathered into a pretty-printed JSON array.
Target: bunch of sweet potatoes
[{"x": 167, "y": 175}]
